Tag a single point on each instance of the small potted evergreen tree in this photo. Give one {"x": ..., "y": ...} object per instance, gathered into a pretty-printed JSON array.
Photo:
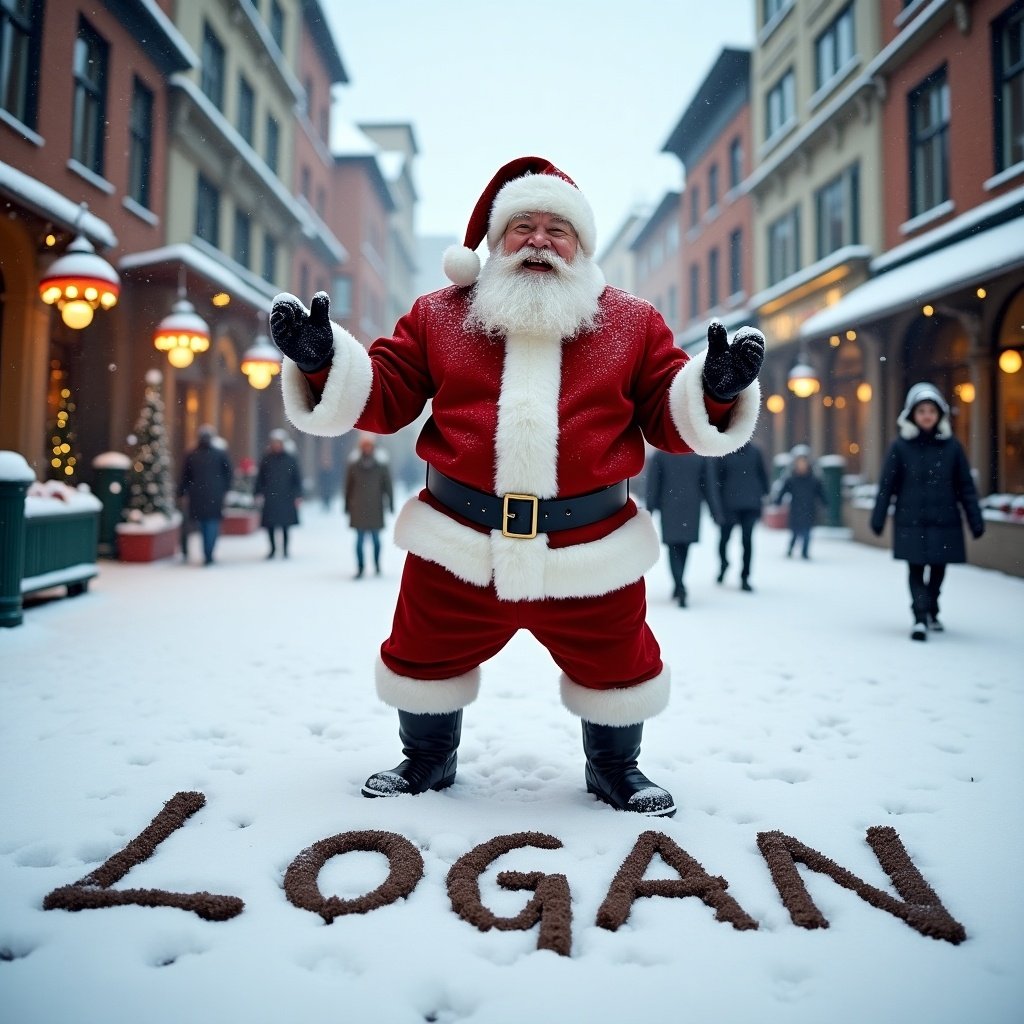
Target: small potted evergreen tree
[{"x": 152, "y": 526}]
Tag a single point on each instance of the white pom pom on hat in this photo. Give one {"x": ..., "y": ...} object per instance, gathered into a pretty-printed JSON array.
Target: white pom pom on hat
[{"x": 528, "y": 184}]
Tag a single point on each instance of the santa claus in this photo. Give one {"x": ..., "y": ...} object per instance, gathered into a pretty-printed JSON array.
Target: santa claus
[{"x": 543, "y": 385}]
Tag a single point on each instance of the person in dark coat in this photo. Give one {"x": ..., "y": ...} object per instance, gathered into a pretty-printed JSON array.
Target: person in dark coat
[
  {"x": 367, "y": 492},
  {"x": 279, "y": 483},
  {"x": 677, "y": 486},
  {"x": 739, "y": 482},
  {"x": 806, "y": 492},
  {"x": 927, "y": 474},
  {"x": 205, "y": 479}
]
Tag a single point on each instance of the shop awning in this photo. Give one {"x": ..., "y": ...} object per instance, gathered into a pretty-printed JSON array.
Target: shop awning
[{"x": 970, "y": 261}]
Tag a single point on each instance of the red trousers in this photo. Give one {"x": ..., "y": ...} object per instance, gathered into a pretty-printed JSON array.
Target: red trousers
[{"x": 445, "y": 627}]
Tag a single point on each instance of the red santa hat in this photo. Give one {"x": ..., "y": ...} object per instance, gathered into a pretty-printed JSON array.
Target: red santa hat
[{"x": 528, "y": 184}]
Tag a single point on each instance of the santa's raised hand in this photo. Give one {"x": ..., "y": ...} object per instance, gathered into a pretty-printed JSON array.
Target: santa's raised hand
[
  {"x": 304, "y": 335},
  {"x": 728, "y": 369}
]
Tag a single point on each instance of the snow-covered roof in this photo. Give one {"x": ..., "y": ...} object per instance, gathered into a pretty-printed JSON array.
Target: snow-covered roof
[
  {"x": 51, "y": 204},
  {"x": 347, "y": 139},
  {"x": 962, "y": 263},
  {"x": 207, "y": 266}
]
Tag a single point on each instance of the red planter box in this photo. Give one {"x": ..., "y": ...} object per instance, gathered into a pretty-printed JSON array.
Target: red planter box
[
  {"x": 149, "y": 547},
  {"x": 239, "y": 521}
]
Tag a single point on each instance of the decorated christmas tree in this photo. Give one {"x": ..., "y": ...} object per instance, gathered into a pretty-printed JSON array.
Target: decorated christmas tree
[
  {"x": 64, "y": 457},
  {"x": 151, "y": 486}
]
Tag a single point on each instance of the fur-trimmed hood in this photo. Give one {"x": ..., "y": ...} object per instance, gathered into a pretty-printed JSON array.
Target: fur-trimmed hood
[{"x": 923, "y": 392}]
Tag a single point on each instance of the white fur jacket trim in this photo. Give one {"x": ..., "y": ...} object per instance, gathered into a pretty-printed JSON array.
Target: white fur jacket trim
[
  {"x": 528, "y": 570},
  {"x": 346, "y": 391},
  {"x": 689, "y": 413}
]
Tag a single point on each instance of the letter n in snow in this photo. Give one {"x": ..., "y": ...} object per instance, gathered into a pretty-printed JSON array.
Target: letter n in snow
[{"x": 919, "y": 907}]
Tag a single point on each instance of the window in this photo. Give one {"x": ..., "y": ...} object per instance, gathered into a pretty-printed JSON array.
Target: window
[
  {"x": 780, "y": 104},
  {"x": 834, "y": 48},
  {"x": 784, "y": 246},
  {"x": 713, "y": 279},
  {"x": 735, "y": 163},
  {"x": 672, "y": 307},
  {"x": 694, "y": 291},
  {"x": 272, "y": 152},
  {"x": 736, "y": 262},
  {"x": 1008, "y": 47},
  {"x": 929, "y": 143},
  {"x": 89, "y": 119},
  {"x": 321, "y": 200},
  {"x": 242, "y": 238},
  {"x": 304, "y": 281},
  {"x": 341, "y": 299},
  {"x": 21, "y": 33},
  {"x": 304, "y": 182},
  {"x": 713, "y": 186},
  {"x": 246, "y": 109},
  {"x": 276, "y": 24},
  {"x": 212, "y": 76},
  {"x": 771, "y": 8},
  {"x": 140, "y": 144},
  {"x": 694, "y": 206},
  {"x": 307, "y": 99},
  {"x": 208, "y": 211},
  {"x": 837, "y": 212},
  {"x": 269, "y": 258}
]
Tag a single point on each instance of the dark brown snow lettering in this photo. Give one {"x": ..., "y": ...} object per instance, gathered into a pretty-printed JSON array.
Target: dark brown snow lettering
[
  {"x": 551, "y": 904},
  {"x": 920, "y": 907},
  {"x": 629, "y": 884},
  {"x": 93, "y": 892},
  {"x": 404, "y": 860}
]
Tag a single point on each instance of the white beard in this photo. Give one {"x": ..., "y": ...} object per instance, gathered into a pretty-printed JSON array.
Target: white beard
[{"x": 562, "y": 302}]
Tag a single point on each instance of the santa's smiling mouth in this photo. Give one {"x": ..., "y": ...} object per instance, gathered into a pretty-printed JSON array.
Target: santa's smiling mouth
[{"x": 539, "y": 266}]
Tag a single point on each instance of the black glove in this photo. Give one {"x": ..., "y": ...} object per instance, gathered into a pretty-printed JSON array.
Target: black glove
[
  {"x": 728, "y": 369},
  {"x": 304, "y": 337}
]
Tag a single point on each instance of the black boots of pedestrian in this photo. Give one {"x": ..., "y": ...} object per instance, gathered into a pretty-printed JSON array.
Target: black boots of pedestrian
[
  {"x": 430, "y": 744},
  {"x": 612, "y": 775}
]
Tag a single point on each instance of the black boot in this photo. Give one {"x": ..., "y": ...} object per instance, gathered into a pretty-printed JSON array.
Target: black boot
[
  {"x": 430, "y": 744},
  {"x": 612, "y": 774}
]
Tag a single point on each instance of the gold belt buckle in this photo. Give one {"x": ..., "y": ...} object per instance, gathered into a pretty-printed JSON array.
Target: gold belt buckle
[{"x": 506, "y": 515}]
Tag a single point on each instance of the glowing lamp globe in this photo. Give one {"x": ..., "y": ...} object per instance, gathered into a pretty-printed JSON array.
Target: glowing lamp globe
[
  {"x": 182, "y": 333},
  {"x": 803, "y": 381},
  {"x": 80, "y": 282},
  {"x": 261, "y": 364}
]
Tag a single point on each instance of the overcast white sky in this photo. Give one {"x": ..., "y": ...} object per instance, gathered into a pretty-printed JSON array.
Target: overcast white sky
[{"x": 595, "y": 86}]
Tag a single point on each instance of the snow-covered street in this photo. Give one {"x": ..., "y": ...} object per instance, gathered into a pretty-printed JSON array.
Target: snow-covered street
[{"x": 803, "y": 708}]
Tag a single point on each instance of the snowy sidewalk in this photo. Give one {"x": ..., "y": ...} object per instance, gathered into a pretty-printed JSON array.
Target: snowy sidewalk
[{"x": 803, "y": 708}]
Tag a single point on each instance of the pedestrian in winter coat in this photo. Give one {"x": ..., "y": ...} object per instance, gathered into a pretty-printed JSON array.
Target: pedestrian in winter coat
[
  {"x": 677, "y": 487},
  {"x": 205, "y": 480},
  {"x": 740, "y": 483},
  {"x": 279, "y": 484},
  {"x": 805, "y": 492},
  {"x": 367, "y": 494},
  {"x": 543, "y": 385},
  {"x": 927, "y": 475}
]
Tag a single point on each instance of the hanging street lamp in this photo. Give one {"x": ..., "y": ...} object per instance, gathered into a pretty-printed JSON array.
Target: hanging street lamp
[
  {"x": 80, "y": 282},
  {"x": 803, "y": 381},
  {"x": 261, "y": 363},
  {"x": 183, "y": 332}
]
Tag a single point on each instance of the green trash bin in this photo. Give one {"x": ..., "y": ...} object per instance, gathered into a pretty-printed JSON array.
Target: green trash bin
[
  {"x": 111, "y": 487},
  {"x": 15, "y": 477},
  {"x": 832, "y": 468}
]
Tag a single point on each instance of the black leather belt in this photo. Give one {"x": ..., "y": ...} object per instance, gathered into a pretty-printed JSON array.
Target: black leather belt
[{"x": 523, "y": 516}]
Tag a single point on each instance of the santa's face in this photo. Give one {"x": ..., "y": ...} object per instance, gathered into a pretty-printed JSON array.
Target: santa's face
[{"x": 540, "y": 231}]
